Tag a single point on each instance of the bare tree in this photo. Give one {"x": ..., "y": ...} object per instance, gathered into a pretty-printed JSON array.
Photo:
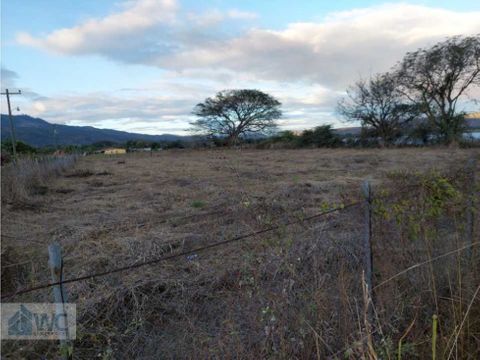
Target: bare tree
[
  {"x": 377, "y": 104},
  {"x": 235, "y": 113},
  {"x": 437, "y": 78}
]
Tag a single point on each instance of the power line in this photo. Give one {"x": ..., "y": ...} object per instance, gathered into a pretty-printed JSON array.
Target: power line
[{"x": 173, "y": 256}]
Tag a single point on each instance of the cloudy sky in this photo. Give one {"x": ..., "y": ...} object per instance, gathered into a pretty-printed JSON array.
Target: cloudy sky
[{"x": 142, "y": 65}]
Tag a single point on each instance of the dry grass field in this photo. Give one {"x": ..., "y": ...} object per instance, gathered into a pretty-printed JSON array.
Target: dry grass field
[{"x": 295, "y": 292}]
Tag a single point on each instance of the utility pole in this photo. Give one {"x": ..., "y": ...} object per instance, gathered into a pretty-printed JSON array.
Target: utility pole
[
  {"x": 55, "y": 136},
  {"x": 12, "y": 128}
]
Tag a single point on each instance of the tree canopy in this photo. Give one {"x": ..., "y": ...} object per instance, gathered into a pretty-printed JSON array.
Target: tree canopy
[
  {"x": 423, "y": 91},
  {"x": 232, "y": 114},
  {"x": 378, "y": 105},
  {"x": 437, "y": 78}
]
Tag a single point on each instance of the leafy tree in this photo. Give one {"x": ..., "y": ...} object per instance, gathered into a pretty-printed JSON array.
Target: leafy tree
[
  {"x": 232, "y": 114},
  {"x": 437, "y": 78},
  {"x": 324, "y": 136},
  {"x": 321, "y": 136},
  {"x": 139, "y": 144},
  {"x": 175, "y": 144},
  {"x": 285, "y": 136},
  {"x": 21, "y": 147},
  {"x": 378, "y": 105},
  {"x": 105, "y": 143}
]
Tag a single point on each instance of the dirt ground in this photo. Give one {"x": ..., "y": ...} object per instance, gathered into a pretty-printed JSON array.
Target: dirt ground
[
  {"x": 137, "y": 193},
  {"x": 114, "y": 210}
]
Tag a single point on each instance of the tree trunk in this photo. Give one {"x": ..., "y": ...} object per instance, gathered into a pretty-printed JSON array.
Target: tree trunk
[{"x": 232, "y": 140}]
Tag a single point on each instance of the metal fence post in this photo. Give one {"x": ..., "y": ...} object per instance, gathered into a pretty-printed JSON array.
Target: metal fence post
[
  {"x": 56, "y": 268},
  {"x": 470, "y": 225},
  {"x": 367, "y": 243}
]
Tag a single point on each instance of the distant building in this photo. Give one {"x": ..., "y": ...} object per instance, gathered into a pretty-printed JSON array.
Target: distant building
[
  {"x": 114, "y": 151},
  {"x": 473, "y": 115}
]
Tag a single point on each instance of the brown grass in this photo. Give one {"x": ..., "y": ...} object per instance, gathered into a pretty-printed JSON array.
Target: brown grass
[
  {"x": 292, "y": 293},
  {"x": 28, "y": 177}
]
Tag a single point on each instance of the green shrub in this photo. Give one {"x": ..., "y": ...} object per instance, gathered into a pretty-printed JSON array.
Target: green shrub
[
  {"x": 198, "y": 204},
  {"x": 321, "y": 136}
]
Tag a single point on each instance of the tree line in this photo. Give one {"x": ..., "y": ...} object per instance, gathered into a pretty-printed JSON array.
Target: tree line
[
  {"x": 24, "y": 149},
  {"x": 421, "y": 97},
  {"x": 422, "y": 93}
]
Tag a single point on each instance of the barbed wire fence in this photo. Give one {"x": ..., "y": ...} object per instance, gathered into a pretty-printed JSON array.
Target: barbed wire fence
[
  {"x": 178, "y": 255},
  {"x": 369, "y": 196}
]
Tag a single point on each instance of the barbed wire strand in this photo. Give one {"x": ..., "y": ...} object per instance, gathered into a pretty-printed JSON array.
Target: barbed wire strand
[
  {"x": 213, "y": 245},
  {"x": 183, "y": 253},
  {"x": 425, "y": 263},
  {"x": 224, "y": 242},
  {"x": 401, "y": 273}
]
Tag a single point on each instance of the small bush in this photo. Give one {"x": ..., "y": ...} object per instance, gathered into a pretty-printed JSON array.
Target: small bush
[
  {"x": 198, "y": 204},
  {"x": 321, "y": 136},
  {"x": 21, "y": 148}
]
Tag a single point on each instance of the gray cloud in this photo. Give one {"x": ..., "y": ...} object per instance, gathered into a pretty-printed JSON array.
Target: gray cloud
[
  {"x": 141, "y": 33},
  {"x": 146, "y": 109},
  {"x": 330, "y": 52},
  {"x": 8, "y": 78},
  {"x": 11, "y": 80},
  {"x": 333, "y": 52},
  {"x": 123, "y": 112},
  {"x": 305, "y": 65}
]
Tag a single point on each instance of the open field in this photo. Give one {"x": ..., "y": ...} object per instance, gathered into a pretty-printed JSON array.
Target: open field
[{"x": 291, "y": 293}]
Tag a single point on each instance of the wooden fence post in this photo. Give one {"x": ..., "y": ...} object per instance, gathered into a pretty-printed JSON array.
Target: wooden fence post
[
  {"x": 56, "y": 268},
  {"x": 470, "y": 225},
  {"x": 367, "y": 243}
]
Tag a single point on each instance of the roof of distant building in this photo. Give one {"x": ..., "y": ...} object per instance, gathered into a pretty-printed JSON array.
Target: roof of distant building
[{"x": 473, "y": 115}]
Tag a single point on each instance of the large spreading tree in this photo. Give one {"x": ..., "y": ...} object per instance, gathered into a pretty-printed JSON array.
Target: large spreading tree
[
  {"x": 233, "y": 114},
  {"x": 438, "y": 78},
  {"x": 378, "y": 106}
]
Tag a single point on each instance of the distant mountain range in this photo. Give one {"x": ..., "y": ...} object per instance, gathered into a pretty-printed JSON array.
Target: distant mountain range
[{"x": 38, "y": 132}]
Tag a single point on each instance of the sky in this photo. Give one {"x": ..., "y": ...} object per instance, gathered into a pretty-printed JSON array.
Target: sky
[{"x": 142, "y": 65}]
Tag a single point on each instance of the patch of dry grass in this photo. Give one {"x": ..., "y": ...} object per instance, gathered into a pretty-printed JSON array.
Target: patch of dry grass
[
  {"x": 29, "y": 176},
  {"x": 292, "y": 293}
]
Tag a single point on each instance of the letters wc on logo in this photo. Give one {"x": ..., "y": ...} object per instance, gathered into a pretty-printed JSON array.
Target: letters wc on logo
[{"x": 38, "y": 321}]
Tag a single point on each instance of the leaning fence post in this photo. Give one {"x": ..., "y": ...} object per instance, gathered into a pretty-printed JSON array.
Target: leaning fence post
[
  {"x": 471, "y": 167},
  {"x": 367, "y": 242},
  {"x": 56, "y": 268}
]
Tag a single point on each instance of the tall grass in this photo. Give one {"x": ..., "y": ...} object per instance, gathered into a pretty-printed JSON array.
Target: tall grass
[
  {"x": 299, "y": 293},
  {"x": 30, "y": 175},
  {"x": 296, "y": 293}
]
